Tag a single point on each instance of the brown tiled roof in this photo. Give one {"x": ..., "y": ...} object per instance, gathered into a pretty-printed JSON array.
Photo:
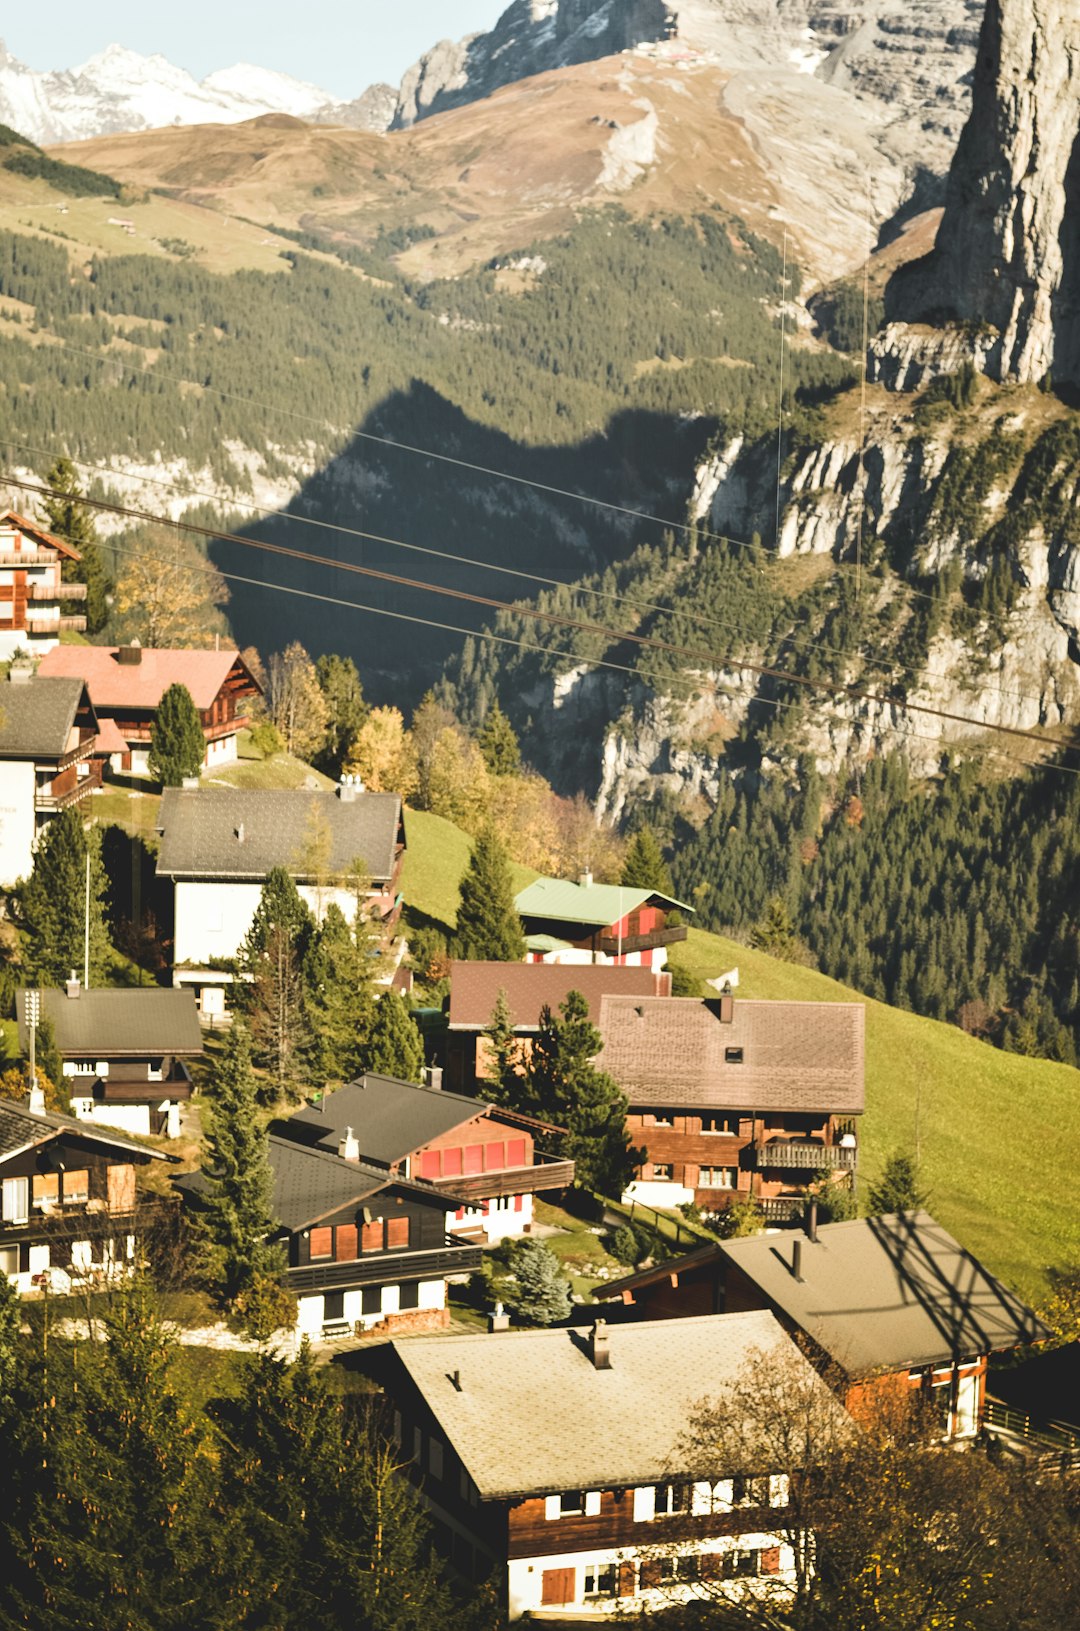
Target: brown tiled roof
[
  {"x": 529, "y": 986},
  {"x": 676, "y": 1051}
]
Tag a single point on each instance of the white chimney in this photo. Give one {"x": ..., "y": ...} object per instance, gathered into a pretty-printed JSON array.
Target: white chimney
[
  {"x": 36, "y": 1102},
  {"x": 585, "y": 880},
  {"x": 73, "y": 988},
  {"x": 349, "y": 1147}
]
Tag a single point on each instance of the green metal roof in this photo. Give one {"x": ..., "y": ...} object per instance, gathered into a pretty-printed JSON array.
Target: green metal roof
[
  {"x": 598, "y": 904},
  {"x": 546, "y": 942}
]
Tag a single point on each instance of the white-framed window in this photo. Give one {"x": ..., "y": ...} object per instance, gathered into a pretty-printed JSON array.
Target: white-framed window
[
  {"x": 750, "y": 1491},
  {"x": 9, "y": 1260},
  {"x": 720, "y": 1126},
  {"x": 671, "y": 1499},
  {"x": 15, "y": 1200},
  {"x": 663, "y": 1170},
  {"x": 571, "y": 1502},
  {"x": 601, "y": 1580},
  {"x": 717, "y": 1177}
]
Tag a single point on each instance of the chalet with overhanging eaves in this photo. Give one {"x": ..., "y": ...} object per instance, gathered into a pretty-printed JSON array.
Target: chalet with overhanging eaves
[
  {"x": 48, "y": 760},
  {"x": 124, "y": 1053},
  {"x": 36, "y": 605},
  {"x": 70, "y": 1214},
  {"x": 485, "y": 1156},
  {"x": 587, "y": 922},
  {"x": 736, "y": 1098},
  {"x": 554, "y": 1463},
  {"x": 127, "y": 683},
  {"x": 529, "y": 988},
  {"x": 885, "y": 1303}
]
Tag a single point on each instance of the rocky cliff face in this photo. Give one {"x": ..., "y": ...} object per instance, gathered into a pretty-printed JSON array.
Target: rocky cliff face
[{"x": 1008, "y": 250}]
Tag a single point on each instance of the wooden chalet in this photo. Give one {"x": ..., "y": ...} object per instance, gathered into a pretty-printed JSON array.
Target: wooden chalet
[
  {"x": 587, "y": 922},
  {"x": 124, "y": 1053},
  {"x": 885, "y": 1302},
  {"x": 127, "y": 683},
  {"x": 529, "y": 988},
  {"x": 736, "y": 1098},
  {"x": 484, "y": 1156},
  {"x": 70, "y": 1214},
  {"x": 49, "y": 760},
  {"x": 553, "y": 1463},
  {"x": 36, "y": 605}
]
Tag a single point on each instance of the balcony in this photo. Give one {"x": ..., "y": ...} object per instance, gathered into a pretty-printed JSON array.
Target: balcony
[
  {"x": 28, "y": 557},
  {"x": 49, "y": 802},
  {"x": 781, "y": 1208},
  {"x": 485, "y": 1186},
  {"x": 612, "y": 946},
  {"x": 381, "y": 1267},
  {"x": 804, "y": 1157},
  {"x": 56, "y": 591},
  {"x": 89, "y": 1220},
  {"x": 77, "y": 624}
]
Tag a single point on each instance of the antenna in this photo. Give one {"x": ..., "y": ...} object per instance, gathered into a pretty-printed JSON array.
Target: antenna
[{"x": 780, "y": 416}]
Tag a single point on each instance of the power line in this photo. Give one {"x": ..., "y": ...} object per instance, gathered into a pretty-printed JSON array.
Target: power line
[{"x": 764, "y": 671}]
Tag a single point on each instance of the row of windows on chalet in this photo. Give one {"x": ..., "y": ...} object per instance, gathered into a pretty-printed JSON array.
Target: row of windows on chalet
[
  {"x": 370, "y": 1301},
  {"x": 113, "y": 1188},
  {"x": 730, "y": 1123},
  {"x": 471, "y": 1158},
  {"x": 344, "y": 1242}
]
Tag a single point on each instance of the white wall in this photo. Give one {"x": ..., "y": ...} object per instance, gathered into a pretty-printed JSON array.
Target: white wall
[
  {"x": 17, "y": 820},
  {"x": 309, "y": 1322},
  {"x": 213, "y": 918},
  {"x": 502, "y": 1222}
]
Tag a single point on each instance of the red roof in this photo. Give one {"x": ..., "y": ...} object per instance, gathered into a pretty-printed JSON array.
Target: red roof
[
  {"x": 142, "y": 684},
  {"x": 109, "y": 739},
  {"x": 529, "y": 987},
  {"x": 11, "y": 518}
]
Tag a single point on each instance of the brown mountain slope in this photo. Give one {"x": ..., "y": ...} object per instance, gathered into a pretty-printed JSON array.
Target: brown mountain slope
[{"x": 651, "y": 132}]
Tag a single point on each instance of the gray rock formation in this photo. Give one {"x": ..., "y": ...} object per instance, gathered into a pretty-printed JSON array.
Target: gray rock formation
[{"x": 1008, "y": 249}]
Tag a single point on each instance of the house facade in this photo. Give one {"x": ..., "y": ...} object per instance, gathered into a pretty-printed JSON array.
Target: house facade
[
  {"x": 70, "y": 1214},
  {"x": 554, "y": 1464},
  {"x": 124, "y": 1053},
  {"x": 485, "y": 1157},
  {"x": 219, "y": 844},
  {"x": 36, "y": 605},
  {"x": 127, "y": 683},
  {"x": 48, "y": 760},
  {"x": 889, "y": 1303},
  {"x": 734, "y": 1098},
  {"x": 529, "y": 988},
  {"x": 587, "y": 922}
]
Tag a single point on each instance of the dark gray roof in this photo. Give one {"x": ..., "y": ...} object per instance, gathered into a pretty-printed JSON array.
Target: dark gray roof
[
  {"x": 886, "y": 1293},
  {"x": 37, "y": 715},
  {"x": 792, "y": 1055},
  {"x": 309, "y": 1184},
  {"x": 115, "y": 1024},
  {"x": 21, "y": 1128},
  {"x": 216, "y": 832},
  {"x": 389, "y": 1118}
]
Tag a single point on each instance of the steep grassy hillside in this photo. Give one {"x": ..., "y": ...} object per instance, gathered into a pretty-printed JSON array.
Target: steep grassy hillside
[{"x": 997, "y": 1133}]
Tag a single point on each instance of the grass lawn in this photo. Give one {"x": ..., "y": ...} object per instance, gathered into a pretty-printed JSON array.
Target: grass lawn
[
  {"x": 135, "y": 811},
  {"x": 581, "y": 1251},
  {"x": 996, "y": 1133},
  {"x": 252, "y": 770}
]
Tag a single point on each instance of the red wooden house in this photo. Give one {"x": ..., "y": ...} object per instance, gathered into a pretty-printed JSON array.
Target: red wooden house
[{"x": 587, "y": 922}]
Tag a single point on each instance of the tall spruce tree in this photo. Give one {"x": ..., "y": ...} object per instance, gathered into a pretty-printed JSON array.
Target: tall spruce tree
[
  {"x": 71, "y": 520},
  {"x": 504, "y": 1082},
  {"x": 566, "y": 1088},
  {"x": 499, "y": 745},
  {"x": 393, "y": 1046},
  {"x": 338, "y": 1000},
  {"x": 177, "y": 743},
  {"x": 237, "y": 1216},
  {"x": 897, "y": 1190},
  {"x": 52, "y": 903},
  {"x": 488, "y": 926},
  {"x": 273, "y": 954},
  {"x": 645, "y": 867}
]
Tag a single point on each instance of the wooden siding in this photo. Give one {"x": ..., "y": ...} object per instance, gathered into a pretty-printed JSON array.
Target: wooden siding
[
  {"x": 677, "y": 1139},
  {"x": 532, "y": 1534}
]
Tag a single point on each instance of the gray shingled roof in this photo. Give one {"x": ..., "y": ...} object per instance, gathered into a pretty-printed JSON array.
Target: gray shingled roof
[
  {"x": 201, "y": 832},
  {"x": 389, "y": 1118},
  {"x": 533, "y": 1415},
  {"x": 20, "y": 1129},
  {"x": 795, "y": 1055},
  {"x": 37, "y": 715},
  {"x": 114, "y": 1024},
  {"x": 886, "y": 1293}
]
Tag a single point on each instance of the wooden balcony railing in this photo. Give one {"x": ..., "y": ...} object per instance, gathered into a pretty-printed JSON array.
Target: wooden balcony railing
[
  {"x": 380, "y": 1267},
  {"x": 812, "y": 1157},
  {"x": 56, "y": 591},
  {"x": 612, "y": 946},
  {"x": 781, "y": 1208},
  {"x": 89, "y": 1220},
  {"x": 485, "y": 1186}
]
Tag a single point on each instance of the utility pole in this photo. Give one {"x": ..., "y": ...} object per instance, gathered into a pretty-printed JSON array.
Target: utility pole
[
  {"x": 86, "y": 921},
  {"x": 33, "y": 1014}
]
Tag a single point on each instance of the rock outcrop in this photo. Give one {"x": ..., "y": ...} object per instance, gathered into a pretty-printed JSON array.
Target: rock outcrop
[{"x": 1008, "y": 249}]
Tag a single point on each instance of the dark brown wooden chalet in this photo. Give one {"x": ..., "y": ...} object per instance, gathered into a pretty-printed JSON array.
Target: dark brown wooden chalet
[
  {"x": 736, "y": 1098},
  {"x": 529, "y": 988},
  {"x": 485, "y": 1156},
  {"x": 70, "y": 1214},
  {"x": 886, "y": 1302},
  {"x": 554, "y": 1462}
]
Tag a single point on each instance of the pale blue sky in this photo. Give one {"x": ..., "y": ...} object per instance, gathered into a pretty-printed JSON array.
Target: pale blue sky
[{"x": 342, "y": 45}]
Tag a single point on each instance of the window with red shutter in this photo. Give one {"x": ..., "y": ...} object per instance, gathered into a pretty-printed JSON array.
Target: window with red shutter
[
  {"x": 518, "y": 1203},
  {"x": 322, "y": 1242},
  {"x": 430, "y": 1164},
  {"x": 397, "y": 1231},
  {"x": 451, "y": 1163},
  {"x": 515, "y": 1152},
  {"x": 770, "y": 1560},
  {"x": 345, "y": 1246},
  {"x": 371, "y": 1236},
  {"x": 474, "y": 1158},
  {"x": 494, "y": 1157},
  {"x": 557, "y": 1586}
]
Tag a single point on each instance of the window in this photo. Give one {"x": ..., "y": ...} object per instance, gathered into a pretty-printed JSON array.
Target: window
[
  {"x": 430, "y": 1164},
  {"x": 46, "y": 1188},
  {"x": 721, "y": 1125},
  {"x": 679, "y": 1568},
  {"x": 494, "y": 1157},
  {"x": 662, "y": 1170},
  {"x": 409, "y": 1296},
  {"x": 750, "y": 1492},
  {"x": 76, "y": 1186},
  {"x": 333, "y": 1306},
  {"x": 670, "y": 1499},
  {"x": 346, "y": 1247},
  {"x": 733, "y": 1056},
  {"x": 322, "y": 1242},
  {"x": 658, "y": 1118},
  {"x": 717, "y": 1177},
  {"x": 371, "y": 1300},
  {"x": 515, "y": 1152},
  {"x": 371, "y": 1236},
  {"x": 451, "y": 1163},
  {"x": 16, "y": 1200},
  {"x": 9, "y": 1260},
  {"x": 601, "y": 1580},
  {"x": 571, "y": 1502},
  {"x": 740, "y": 1563},
  {"x": 397, "y": 1232}
]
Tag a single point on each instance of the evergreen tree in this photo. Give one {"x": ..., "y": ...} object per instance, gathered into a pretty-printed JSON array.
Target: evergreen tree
[
  {"x": 499, "y": 745},
  {"x": 177, "y": 743},
  {"x": 776, "y": 934},
  {"x": 281, "y": 906},
  {"x": 238, "y": 1215},
  {"x": 897, "y": 1190},
  {"x": 566, "y": 1088},
  {"x": 504, "y": 1082},
  {"x": 488, "y": 926},
  {"x": 393, "y": 1046},
  {"x": 73, "y": 521},
  {"x": 645, "y": 867},
  {"x": 346, "y": 710},
  {"x": 338, "y": 1001},
  {"x": 536, "y": 1290},
  {"x": 273, "y": 953},
  {"x": 52, "y": 903}
]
